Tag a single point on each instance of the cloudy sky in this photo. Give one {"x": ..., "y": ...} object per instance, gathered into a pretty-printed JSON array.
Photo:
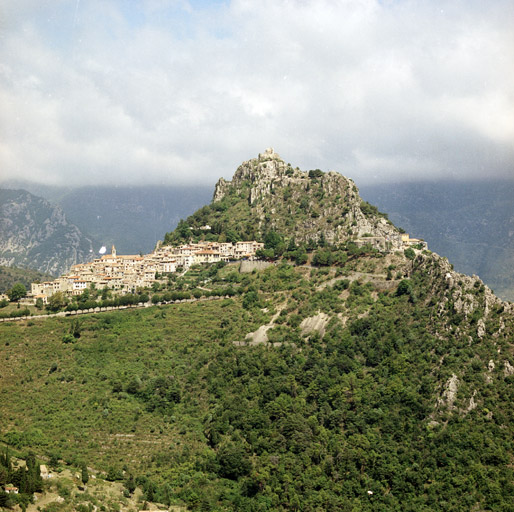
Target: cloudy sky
[{"x": 178, "y": 91}]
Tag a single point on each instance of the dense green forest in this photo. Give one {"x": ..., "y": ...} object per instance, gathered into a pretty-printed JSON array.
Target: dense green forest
[{"x": 355, "y": 412}]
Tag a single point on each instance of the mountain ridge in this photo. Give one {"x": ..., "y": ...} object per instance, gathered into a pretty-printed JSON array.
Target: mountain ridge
[
  {"x": 471, "y": 223},
  {"x": 37, "y": 235}
]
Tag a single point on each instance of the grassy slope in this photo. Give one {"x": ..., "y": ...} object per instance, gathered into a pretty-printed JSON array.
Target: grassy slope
[{"x": 75, "y": 402}]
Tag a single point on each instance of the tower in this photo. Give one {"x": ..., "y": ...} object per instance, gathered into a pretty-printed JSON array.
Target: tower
[{"x": 113, "y": 251}]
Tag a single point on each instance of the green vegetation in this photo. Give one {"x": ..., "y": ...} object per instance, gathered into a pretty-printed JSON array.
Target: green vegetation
[
  {"x": 299, "y": 206},
  {"x": 340, "y": 378},
  {"x": 409, "y": 253},
  {"x": 17, "y": 292},
  {"x": 371, "y": 211},
  {"x": 312, "y": 420},
  {"x": 26, "y": 479},
  {"x": 9, "y": 276}
]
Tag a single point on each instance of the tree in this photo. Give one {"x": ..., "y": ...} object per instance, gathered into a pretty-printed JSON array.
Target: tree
[
  {"x": 130, "y": 484},
  {"x": 183, "y": 232},
  {"x": 404, "y": 288},
  {"x": 75, "y": 328},
  {"x": 57, "y": 301},
  {"x": 272, "y": 240},
  {"x": 17, "y": 292},
  {"x": 83, "y": 297},
  {"x": 250, "y": 299},
  {"x": 233, "y": 461},
  {"x": 322, "y": 258},
  {"x": 113, "y": 474},
  {"x": 300, "y": 256},
  {"x": 85, "y": 474}
]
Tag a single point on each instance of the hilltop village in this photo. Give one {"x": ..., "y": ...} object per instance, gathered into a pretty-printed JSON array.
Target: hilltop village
[{"x": 127, "y": 273}]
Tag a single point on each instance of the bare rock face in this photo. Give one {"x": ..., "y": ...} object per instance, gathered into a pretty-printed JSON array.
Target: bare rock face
[
  {"x": 508, "y": 369},
  {"x": 220, "y": 190},
  {"x": 36, "y": 234},
  {"x": 465, "y": 297},
  {"x": 450, "y": 392},
  {"x": 304, "y": 205},
  {"x": 316, "y": 323},
  {"x": 262, "y": 172}
]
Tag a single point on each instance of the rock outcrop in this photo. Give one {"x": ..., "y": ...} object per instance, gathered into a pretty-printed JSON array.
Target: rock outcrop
[{"x": 302, "y": 205}]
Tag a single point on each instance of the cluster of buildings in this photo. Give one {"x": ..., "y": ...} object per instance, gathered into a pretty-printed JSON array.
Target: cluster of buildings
[
  {"x": 129, "y": 272},
  {"x": 391, "y": 242}
]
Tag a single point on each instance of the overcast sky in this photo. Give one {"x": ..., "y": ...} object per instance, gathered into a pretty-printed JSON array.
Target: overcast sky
[{"x": 176, "y": 91}]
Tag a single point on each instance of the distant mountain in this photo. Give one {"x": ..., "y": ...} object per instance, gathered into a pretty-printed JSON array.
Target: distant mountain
[
  {"x": 471, "y": 223},
  {"x": 36, "y": 234},
  {"x": 131, "y": 218},
  {"x": 9, "y": 276}
]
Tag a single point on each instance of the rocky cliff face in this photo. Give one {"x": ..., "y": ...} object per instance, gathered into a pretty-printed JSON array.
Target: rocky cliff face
[
  {"x": 467, "y": 304},
  {"x": 36, "y": 234},
  {"x": 299, "y": 204}
]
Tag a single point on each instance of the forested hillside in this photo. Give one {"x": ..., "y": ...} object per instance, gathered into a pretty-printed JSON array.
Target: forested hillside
[{"x": 399, "y": 386}]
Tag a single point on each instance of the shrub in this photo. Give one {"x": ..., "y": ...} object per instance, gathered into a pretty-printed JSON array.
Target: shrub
[
  {"x": 404, "y": 288},
  {"x": 409, "y": 253},
  {"x": 68, "y": 338}
]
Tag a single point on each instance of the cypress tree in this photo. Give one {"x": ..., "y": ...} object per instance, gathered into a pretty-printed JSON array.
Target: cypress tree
[{"x": 85, "y": 474}]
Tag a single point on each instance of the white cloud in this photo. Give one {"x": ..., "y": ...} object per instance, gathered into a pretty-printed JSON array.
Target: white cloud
[{"x": 175, "y": 92}]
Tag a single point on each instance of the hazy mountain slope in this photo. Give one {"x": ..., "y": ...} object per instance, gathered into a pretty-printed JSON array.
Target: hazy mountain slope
[
  {"x": 133, "y": 219},
  {"x": 470, "y": 223},
  {"x": 9, "y": 276},
  {"x": 36, "y": 234}
]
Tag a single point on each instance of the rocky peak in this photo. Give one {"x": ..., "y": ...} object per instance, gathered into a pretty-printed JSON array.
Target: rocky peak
[
  {"x": 259, "y": 172},
  {"x": 304, "y": 204}
]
